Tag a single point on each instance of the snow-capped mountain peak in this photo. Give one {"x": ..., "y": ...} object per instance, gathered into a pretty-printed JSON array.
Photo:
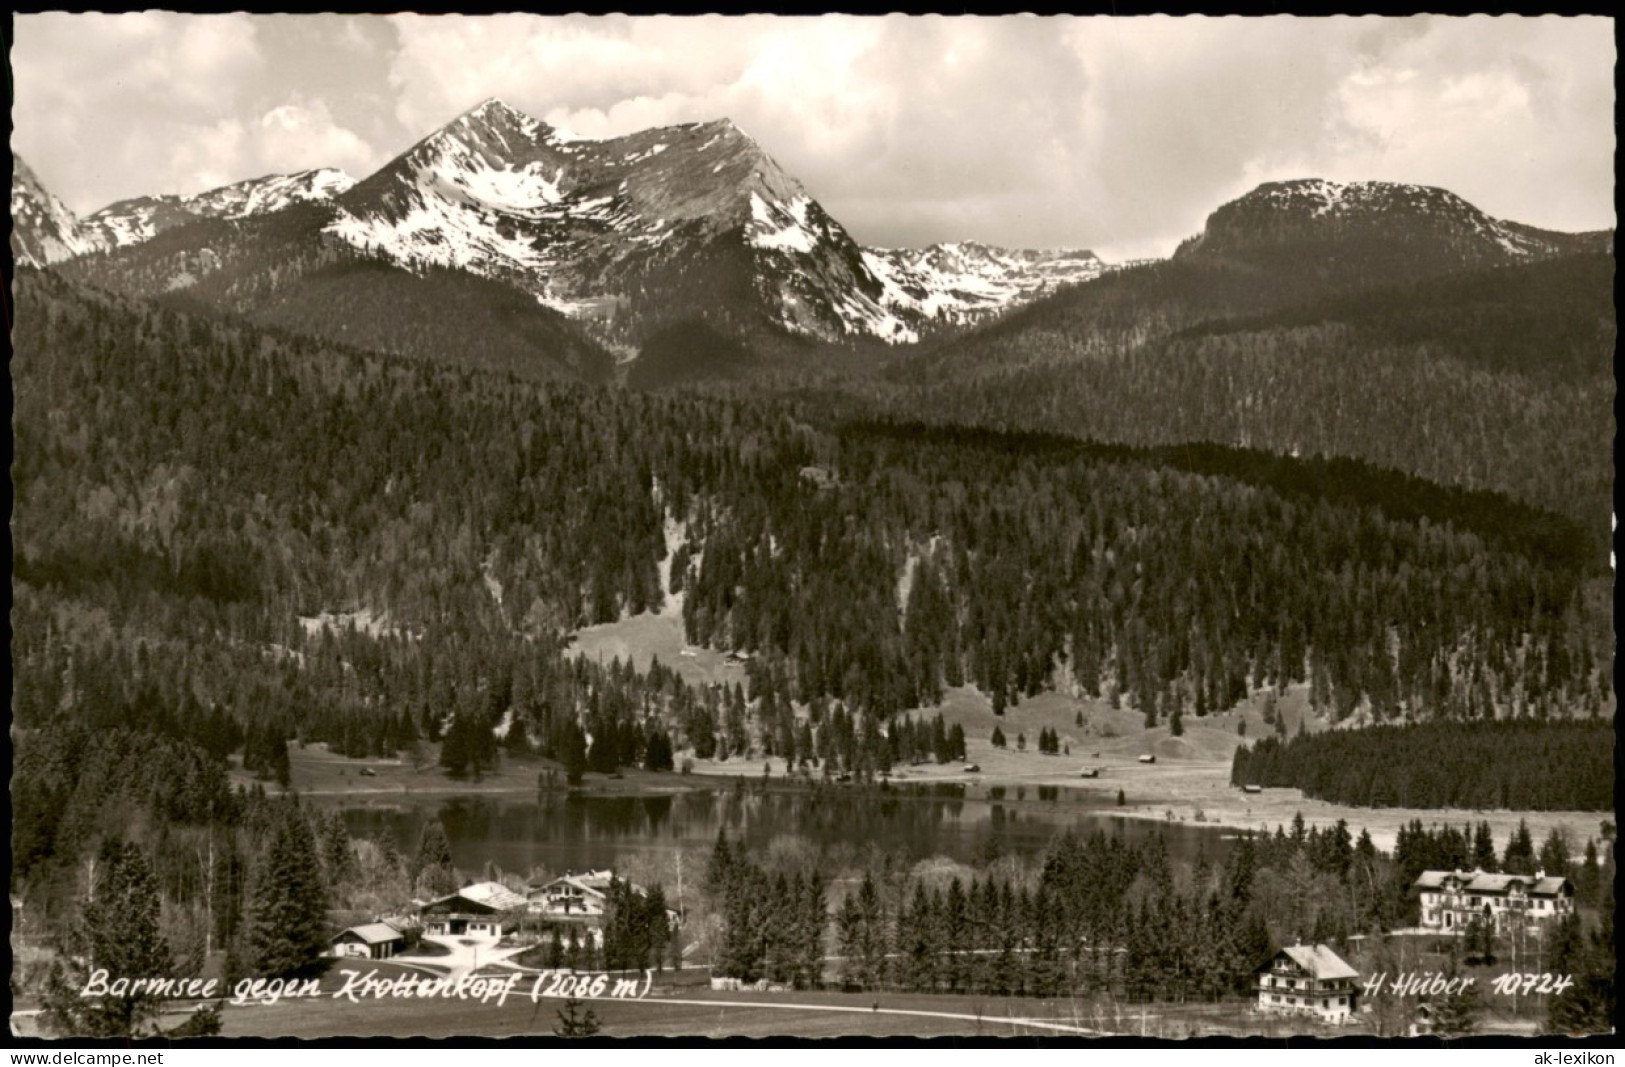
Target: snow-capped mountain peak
[
  {"x": 1316, "y": 210},
  {"x": 586, "y": 225},
  {"x": 693, "y": 219},
  {"x": 133, "y": 221},
  {"x": 966, "y": 281},
  {"x": 273, "y": 192},
  {"x": 43, "y": 229}
]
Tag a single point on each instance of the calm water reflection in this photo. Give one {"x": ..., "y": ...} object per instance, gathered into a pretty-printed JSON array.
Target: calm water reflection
[{"x": 562, "y": 831}]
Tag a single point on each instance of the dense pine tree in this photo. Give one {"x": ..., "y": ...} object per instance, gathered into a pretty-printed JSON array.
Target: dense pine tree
[
  {"x": 287, "y": 929},
  {"x": 117, "y": 935}
]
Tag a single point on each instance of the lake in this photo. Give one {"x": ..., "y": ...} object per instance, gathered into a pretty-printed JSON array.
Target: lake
[{"x": 563, "y": 831}]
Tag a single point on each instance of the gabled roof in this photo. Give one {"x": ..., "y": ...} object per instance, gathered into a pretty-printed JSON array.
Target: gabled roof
[
  {"x": 372, "y": 933},
  {"x": 1496, "y": 884},
  {"x": 1319, "y": 961},
  {"x": 594, "y": 882},
  {"x": 493, "y": 895},
  {"x": 591, "y": 887},
  {"x": 1551, "y": 886}
]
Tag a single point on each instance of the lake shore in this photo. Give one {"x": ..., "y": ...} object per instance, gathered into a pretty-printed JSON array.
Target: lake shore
[{"x": 1172, "y": 790}]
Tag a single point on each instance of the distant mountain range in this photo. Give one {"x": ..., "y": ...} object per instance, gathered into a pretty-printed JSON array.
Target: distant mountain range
[
  {"x": 45, "y": 231},
  {"x": 564, "y": 255},
  {"x": 623, "y": 232},
  {"x": 130, "y": 222}
]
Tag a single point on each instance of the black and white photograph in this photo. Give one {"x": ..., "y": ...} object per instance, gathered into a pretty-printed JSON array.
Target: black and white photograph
[{"x": 1026, "y": 528}]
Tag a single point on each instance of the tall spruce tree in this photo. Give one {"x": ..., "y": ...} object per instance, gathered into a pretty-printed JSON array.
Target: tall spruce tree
[
  {"x": 117, "y": 933},
  {"x": 287, "y": 928},
  {"x": 1484, "y": 849},
  {"x": 432, "y": 870},
  {"x": 1457, "y": 1015},
  {"x": 1554, "y": 854},
  {"x": 1586, "y": 1006},
  {"x": 1520, "y": 852}
]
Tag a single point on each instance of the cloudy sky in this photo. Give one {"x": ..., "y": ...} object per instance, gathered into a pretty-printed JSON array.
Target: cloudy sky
[{"x": 1114, "y": 134}]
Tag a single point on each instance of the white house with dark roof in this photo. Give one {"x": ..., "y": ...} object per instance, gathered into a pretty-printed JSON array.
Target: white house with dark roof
[
  {"x": 1308, "y": 980},
  {"x": 369, "y": 941},
  {"x": 580, "y": 899},
  {"x": 480, "y": 909},
  {"x": 571, "y": 897},
  {"x": 1451, "y": 900}
]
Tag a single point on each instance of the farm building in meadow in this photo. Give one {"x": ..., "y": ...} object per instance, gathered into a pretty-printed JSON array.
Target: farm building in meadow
[
  {"x": 1451, "y": 900},
  {"x": 1308, "y": 980},
  {"x": 484, "y": 908},
  {"x": 369, "y": 941}
]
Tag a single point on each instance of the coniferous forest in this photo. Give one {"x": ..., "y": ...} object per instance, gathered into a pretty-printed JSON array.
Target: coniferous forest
[
  {"x": 188, "y": 489},
  {"x": 229, "y": 540},
  {"x": 1095, "y": 914},
  {"x": 1519, "y": 764}
]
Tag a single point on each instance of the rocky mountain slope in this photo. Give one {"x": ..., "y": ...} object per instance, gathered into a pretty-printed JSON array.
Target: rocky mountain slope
[
  {"x": 1334, "y": 227},
  {"x": 43, "y": 229},
  {"x": 632, "y": 230},
  {"x": 962, "y": 283},
  {"x": 628, "y": 233},
  {"x": 133, "y": 221},
  {"x": 46, "y": 231}
]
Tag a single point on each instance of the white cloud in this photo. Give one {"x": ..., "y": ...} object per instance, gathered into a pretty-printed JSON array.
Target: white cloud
[
  {"x": 1116, "y": 133},
  {"x": 113, "y": 106},
  {"x": 303, "y": 135}
]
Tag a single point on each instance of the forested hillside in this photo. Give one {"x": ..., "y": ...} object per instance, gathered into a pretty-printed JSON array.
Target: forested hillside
[
  {"x": 1499, "y": 379},
  {"x": 210, "y": 467},
  {"x": 1519, "y": 764},
  {"x": 227, "y": 538},
  {"x": 278, "y": 270}
]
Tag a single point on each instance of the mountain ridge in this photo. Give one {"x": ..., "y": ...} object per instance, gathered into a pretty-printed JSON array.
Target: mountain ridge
[
  {"x": 137, "y": 219},
  {"x": 1412, "y": 228},
  {"x": 44, "y": 230},
  {"x": 696, "y": 220}
]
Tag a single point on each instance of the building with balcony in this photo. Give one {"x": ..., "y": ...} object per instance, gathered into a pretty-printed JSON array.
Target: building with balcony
[
  {"x": 1308, "y": 980},
  {"x": 1451, "y": 900}
]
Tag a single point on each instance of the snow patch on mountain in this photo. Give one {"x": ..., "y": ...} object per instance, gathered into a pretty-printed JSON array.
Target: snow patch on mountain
[
  {"x": 960, "y": 283},
  {"x": 864, "y": 316},
  {"x": 525, "y": 189},
  {"x": 131, "y": 222},
  {"x": 781, "y": 227},
  {"x": 1372, "y": 203},
  {"x": 433, "y": 231},
  {"x": 274, "y": 192}
]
